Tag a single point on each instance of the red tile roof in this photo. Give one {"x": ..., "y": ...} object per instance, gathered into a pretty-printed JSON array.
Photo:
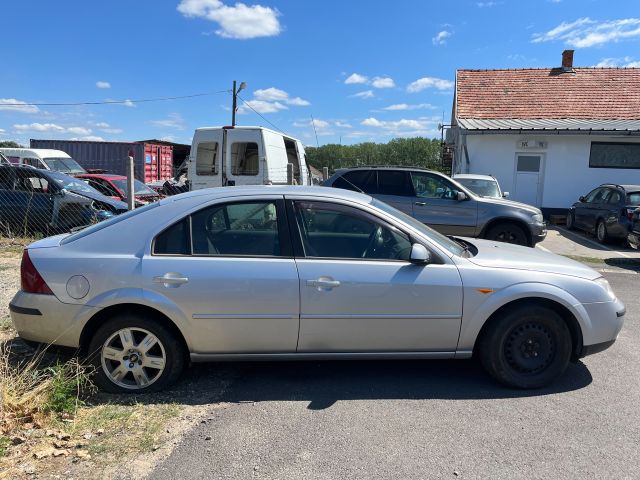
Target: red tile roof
[{"x": 589, "y": 93}]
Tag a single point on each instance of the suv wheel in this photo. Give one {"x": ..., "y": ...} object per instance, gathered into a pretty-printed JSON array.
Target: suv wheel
[
  {"x": 526, "y": 347},
  {"x": 135, "y": 354},
  {"x": 601, "y": 232},
  {"x": 508, "y": 233}
]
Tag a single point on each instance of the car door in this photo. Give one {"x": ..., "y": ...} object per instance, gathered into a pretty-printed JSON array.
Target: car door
[
  {"x": 359, "y": 292},
  {"x": 581, "y": 210},
  {"x": 436, "y": 204},
  {"x": 230, "y": 271},
  {"x": 596, "y": 208},
  {"x": 33, "y": 200},
  {"x": 394, "y": 188}
]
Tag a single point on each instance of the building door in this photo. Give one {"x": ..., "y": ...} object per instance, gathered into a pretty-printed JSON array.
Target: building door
[{"x": 528, "y": 183}]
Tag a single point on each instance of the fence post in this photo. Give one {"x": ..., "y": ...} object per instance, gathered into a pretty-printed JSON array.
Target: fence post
[
  {"x": 289, "y": 173},
  {"x": 131, "y": 198},
  {"x": 325, "y": 174}
]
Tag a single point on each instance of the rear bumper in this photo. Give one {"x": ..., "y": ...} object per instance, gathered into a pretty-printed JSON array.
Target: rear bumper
[
  {"x": 634, "y": 239},
  {"x": 45, "y": 319}
]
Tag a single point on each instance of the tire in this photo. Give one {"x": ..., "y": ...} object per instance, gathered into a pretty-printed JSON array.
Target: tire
[
  {"x": 509, "y": 233},
  {"x": 601, "y": 232},
  {"x": 526, "y": 347},
  {"x": 122, "y": 362},
  {"x": 571, "y": 221}
]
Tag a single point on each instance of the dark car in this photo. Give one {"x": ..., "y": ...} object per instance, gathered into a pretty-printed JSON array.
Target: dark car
[
  {"x": 634, "y": 235},
  {"x": 48, "y": 202},
  {"x": 115, "y": 186},
  {"x": 605, "y": 211},
  {"x": 444, "y": 204}
]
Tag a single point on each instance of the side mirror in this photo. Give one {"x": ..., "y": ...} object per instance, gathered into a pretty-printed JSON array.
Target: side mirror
[
  {"x": 419, "y": 254},
  {"x": 505, "y": 194},
  {"x": 461, "y": 196},
  {"x": 581, "y": 199}
]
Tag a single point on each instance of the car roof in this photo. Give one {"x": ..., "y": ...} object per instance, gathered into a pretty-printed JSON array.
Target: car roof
[
  {"x": 474, "y": 176},
  {"x": 633, "y": 188},
  {"x": 387, "y": 167},
  {"x": 106, "y": 176}
]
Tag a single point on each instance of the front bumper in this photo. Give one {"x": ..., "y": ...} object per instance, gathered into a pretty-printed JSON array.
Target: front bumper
[
  {"x": 45, "y": 319},
  {"x": 538, "y": 232},
  {"x": 606, "y": 320}
]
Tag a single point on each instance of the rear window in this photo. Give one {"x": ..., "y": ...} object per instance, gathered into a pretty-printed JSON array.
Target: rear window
[
  {"x": 394, "y": 182},
  {"x": 633, "y": 198},
  {"x": 358, "y": 180}
]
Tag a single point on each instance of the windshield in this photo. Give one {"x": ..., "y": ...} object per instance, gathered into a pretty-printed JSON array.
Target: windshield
[
  {"x": 437, "y": 237},
  {"x": 139, "y": 188},
  {"x": 484, "y": 188},
  {"x": 66, "y": 165},
  {"x": 633, "y": 198},
  {"x": 71, "y": 184}
]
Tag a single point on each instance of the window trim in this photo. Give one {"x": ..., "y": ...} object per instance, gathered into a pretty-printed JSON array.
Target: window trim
[{"x": 286, "y": 249}]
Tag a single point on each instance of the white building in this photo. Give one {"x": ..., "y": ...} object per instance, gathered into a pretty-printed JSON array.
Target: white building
[{"x": 548, "y": 135}]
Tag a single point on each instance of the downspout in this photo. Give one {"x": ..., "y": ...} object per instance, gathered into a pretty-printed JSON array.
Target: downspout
[{"x": 466, "y": 151}]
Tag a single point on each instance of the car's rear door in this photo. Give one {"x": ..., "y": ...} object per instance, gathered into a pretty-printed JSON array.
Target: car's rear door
[
  {"x": 229, "y": 269},
  {"x": 359, "y": 292},
  {"x": 394, "y": 188}
]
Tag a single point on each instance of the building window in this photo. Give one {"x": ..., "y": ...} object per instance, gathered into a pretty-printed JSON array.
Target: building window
[
  {"x": 206, "y": 157},
  {"x": 614, "y": 155}
]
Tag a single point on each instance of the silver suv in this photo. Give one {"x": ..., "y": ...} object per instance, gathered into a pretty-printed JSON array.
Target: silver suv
[{"x": 444, "y": 204}]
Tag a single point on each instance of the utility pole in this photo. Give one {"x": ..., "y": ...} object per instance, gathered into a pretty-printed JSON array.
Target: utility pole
[{"x": 243, "y": 85}]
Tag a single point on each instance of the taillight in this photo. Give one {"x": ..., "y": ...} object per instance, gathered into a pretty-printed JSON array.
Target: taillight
[
  {"x": 30, "y": 279},
  {"x": 628, "y": 212}
]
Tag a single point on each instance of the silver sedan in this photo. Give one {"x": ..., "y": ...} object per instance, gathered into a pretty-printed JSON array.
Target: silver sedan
[{"x": 274, "y": 273}]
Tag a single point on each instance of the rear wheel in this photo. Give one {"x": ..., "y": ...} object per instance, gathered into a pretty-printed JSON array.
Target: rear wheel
[
  {"x": 570, "y": 220},
  {"x": 526, "y": 347},
  {"x": 508, "y": 233},
  {"x": 135, "y": 354},
  {"x": 601, "y": 232}
]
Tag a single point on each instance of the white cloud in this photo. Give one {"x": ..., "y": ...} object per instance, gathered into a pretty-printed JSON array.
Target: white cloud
[
  {"x": 421, "y": 126},
  {"x": 441, "y": 37},
  {"x": 240, "y": 21},
  {"x": 276, "y": 95},
  {"x": 102, "y": 84},
  {"x": 383, "y": 82},
  {"x": 78, "y": 130},
  {"x": 365, "y": 94},
  {"x": 429, "y": 82},
  {"x": 11, "y": 104},
  {"x": 50, "y": 128},
  {"x": 627, "y": 62},
  {"x": 173, "y": 120},
  {"x": 261, "y": 106},
  {"x": 129, "y": 103},
  {"x": 102, "y": 125},
  {"x": 407, "y": 106},
  {"x": 2, "y": 131},
  {"x": 343, "y": 125},
  {"x": 356, "y": 78},
  {"x": 487, "y": 4},
  {"x": 323, "y": 128},
  {"x": 585, "y": 32},
  {"x": 90, "y": 138}
]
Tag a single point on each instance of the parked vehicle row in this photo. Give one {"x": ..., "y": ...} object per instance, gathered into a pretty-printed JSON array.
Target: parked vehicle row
[{"x": 274, "y": 273}]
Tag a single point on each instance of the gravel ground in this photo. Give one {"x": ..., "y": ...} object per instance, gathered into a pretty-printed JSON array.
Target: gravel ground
[{"x": 9, "y": 280}]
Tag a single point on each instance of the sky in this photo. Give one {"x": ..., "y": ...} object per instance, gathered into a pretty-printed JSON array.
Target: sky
[{"x": 356, "y": 70}]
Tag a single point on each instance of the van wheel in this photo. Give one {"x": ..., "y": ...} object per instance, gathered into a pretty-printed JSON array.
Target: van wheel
[
  {"x": 135, "y": 354},
  {"x": 508, "y": 233},
  {"x": 601, "y": 232},
  {"x": 526, "y": 347}
]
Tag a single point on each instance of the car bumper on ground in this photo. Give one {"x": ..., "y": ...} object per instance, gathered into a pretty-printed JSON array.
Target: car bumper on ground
[{"x": 45, "y": 319}]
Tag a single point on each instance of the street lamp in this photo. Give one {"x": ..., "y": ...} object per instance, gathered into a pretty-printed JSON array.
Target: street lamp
[{"x": 243, "y": 85}]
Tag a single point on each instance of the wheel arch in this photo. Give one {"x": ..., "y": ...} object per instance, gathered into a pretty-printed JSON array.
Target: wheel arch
[
  {"x": 569, "y": 318},
  {"x": 516, "y": 221}
]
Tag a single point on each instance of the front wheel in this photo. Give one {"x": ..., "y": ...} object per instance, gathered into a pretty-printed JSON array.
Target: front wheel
[
  {"x": 135, "y": 354},
  {"x": 601, "y": 232},
  {"x": 526, "y": 347},
  {"x": 508, "y": 233}
]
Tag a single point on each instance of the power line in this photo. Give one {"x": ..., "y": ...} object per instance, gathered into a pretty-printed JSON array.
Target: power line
[
  {"x": 260, "y": 115},
  {"x": 109, "y": 102}
]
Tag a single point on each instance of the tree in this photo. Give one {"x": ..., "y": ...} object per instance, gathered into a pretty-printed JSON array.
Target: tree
[{"x": 9, "y": 144}]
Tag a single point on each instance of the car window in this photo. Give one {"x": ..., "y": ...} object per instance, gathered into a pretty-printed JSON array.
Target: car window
[
  {"x": 236, "y": 229},
  {"x": 589, "y": 198},
  {"x": 103, "y": 188},
  {"x": 432, "y": 186},
  {"x": 482, "y": 187},
  {"x": 6, "y": 178},
  {"x": 394, "y": 182},
  {"x": 174, "y": 240},
  {"x": 614, "y": 197},
  {"x": 34, "y": 162},
  {"x": 633, "y": 198},
  {"x": 30, "y": 181},
  {"x": 336, "y": 231},
  {"x": 602, "y": 196},
  {"x": 358, "y": 180}
]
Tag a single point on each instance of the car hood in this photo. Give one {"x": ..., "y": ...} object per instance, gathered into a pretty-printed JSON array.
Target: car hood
[
  {"x": 505, "y": 255},
  {"x": 116, "y": 204},
  {"x": 509, "y": 203}
]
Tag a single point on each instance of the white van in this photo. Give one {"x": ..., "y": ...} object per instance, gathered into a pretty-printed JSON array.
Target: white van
[
  {"x": 44, "y": 159},
  {"x": 222, "y": 156}
]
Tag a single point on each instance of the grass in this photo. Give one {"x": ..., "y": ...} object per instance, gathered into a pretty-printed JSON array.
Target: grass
[
  {"x": 4, "y": 445},
  {"x": 5, "y": 324}
]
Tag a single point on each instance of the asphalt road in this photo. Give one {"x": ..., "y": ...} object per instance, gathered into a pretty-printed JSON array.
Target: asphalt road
[{"x": 415, "y": 419}]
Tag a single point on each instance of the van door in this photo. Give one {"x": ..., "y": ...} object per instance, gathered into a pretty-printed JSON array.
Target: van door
[
  {"x": 205, "y": 160},
  {"x": 244, "y": 157},
  {"x": 305, "y": 177}
]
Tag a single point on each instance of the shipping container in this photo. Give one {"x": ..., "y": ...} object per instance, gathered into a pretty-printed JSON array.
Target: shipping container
[{"x": 152, "y": 162}]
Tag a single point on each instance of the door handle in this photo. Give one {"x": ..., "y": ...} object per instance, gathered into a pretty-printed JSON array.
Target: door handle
[
  {"x": 323, "y": 282},
  {"x": 171, "y": 280},
  {"x": 420, "y": 204}
]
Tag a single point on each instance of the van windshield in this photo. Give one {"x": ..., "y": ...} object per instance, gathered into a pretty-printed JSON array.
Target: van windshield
[{"x": 65, "y": 165}]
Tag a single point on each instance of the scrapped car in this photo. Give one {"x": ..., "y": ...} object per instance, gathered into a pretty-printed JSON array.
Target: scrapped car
[
  {"x": 115, "y": 186},
  {"x": 43, "y": 158},
  {"x": 48, "y": 202},
  {"x": 444, "y": 204},
  {"x": 483, "y": 185},
  {"x": 606, "y": 211},
  {"x": 282, "y": 273}
]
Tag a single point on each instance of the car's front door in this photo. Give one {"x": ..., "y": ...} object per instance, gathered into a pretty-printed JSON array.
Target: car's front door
[
  {"x": 581, "y": 210},
  {"x": 360, "y": 293},
  {"x": 436, "y": 204},
  {"x": 595, "y": 208},
  {"x": 229, "y": 269}
]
